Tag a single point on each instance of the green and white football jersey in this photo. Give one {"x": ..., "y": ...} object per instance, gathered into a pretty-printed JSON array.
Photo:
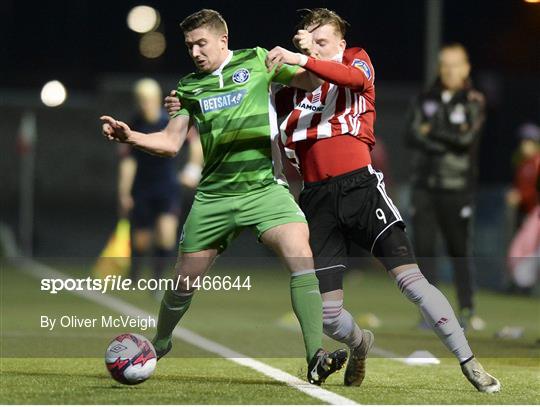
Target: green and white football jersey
[{"x": 233, "y": 111}]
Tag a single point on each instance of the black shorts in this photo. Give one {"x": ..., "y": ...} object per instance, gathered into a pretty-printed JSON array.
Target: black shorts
[
  {"x": 353, "y": 207},
  {"x": 148, "y": 206}
]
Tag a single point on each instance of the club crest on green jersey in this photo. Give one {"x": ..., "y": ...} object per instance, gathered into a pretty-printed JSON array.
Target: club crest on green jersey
[{"x": 240, "y": 76}]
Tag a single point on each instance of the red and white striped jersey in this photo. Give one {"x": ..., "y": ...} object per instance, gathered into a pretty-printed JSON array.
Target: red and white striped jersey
[{"x": 330, "y": 110}]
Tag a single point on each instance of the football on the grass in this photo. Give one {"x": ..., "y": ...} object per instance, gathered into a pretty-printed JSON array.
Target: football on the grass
[{"x": 130, "y": 358}]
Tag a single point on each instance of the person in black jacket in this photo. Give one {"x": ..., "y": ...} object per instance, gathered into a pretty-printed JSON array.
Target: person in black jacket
[{"x": 444, "y": 130}]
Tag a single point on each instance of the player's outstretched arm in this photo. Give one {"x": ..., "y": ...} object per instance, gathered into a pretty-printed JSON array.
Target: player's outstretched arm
[
  {"x": 302, "y": 78},
  {"x": 337, "y": 73},
  {"x": 164, "y": 143},
  {"x": 331, "y": 71}
]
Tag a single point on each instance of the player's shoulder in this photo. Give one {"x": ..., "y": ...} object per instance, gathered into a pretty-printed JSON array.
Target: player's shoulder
[
  {"x": 249, "y": 53},
  {"x": 193, "y": 81},
  {"x": 247, "y": 56},
  {"x": 246, "y": 52},
  {"x": 350, "y": 54},
  {"x": 359, "y": 58},
  {"x": 189, "y": 79}
]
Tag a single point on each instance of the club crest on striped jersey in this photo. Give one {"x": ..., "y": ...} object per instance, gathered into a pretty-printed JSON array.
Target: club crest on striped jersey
[
  {"x": 240, "y": 76},
  {"x": 363, "y": 66}
]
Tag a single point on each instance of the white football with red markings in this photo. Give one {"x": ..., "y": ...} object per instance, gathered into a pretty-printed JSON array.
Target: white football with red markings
[{"x": 130, "y": 358}]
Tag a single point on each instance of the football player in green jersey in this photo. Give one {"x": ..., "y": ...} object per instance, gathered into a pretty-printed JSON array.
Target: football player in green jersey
[{"x": 228, "y": 100}]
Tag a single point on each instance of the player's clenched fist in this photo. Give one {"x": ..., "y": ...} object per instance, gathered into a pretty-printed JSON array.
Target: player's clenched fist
[
  {"x": 115, "y": 130},
  {"x": 303, "y": 41},
  {"x": 172, "y": 103}
]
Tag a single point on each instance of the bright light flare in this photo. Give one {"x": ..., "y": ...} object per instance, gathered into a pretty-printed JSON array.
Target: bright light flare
[
  {"x": 143, "y": 19},
  {"x": 53, "y": 94},
  {"x": 152, "y": 45}
]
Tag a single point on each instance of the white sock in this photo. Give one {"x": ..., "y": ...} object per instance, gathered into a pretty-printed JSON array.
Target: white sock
[
  {"x": 339, "y": 324},
  {"x": 436, "y": 310}
]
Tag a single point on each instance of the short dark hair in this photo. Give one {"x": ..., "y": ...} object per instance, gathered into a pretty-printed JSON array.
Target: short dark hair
[
  {"x": 205, "y": 17},
  {"x": 322, "y": 16}
]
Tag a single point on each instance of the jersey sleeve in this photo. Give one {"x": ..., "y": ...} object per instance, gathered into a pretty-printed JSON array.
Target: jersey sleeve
[
  {"x": 184, "y": 110},
  {"x": 355, "y": 72},
  {"x": 284, "y": 75}
]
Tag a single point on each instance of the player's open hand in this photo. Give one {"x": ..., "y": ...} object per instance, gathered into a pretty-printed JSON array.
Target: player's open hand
[
  {"x": 115, "y": 130},
  {"x": 172, "y": 103},
  {"x": 303, "y": 41},
  {"x": 279, "y": 56}
]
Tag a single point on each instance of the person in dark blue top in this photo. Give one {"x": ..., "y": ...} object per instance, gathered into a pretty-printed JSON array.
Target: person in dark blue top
[{"x": 149, "y": 187}]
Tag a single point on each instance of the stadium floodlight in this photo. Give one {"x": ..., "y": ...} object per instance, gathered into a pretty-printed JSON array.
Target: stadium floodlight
[
  {"x": 53, "y": 93},
  {"x": 152, "y": 45},
  {"x": 143, "y": 19}
]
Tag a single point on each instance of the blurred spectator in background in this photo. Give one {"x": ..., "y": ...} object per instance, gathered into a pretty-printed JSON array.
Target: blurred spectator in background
[
  {"x": 149, "y": 191},
  {"x": 524, "y": 250},
  {"x": 444, "y": 130},
  {"x": 524, "y": 254},
  {"x": 524, "y": 196}
]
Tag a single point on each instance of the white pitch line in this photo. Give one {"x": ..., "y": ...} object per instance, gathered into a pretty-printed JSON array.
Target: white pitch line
[{"x": 42, "y": 271}]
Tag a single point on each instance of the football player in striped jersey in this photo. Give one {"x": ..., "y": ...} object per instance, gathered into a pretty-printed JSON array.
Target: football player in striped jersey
[{"x": 328, "y": 133}]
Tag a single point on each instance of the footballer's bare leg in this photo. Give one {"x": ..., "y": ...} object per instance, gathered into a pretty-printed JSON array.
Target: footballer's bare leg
[
  {"x": 439, "y": 315},
  {"x": 177, "y": 300},
  {"x": 291, "y": 242}
]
